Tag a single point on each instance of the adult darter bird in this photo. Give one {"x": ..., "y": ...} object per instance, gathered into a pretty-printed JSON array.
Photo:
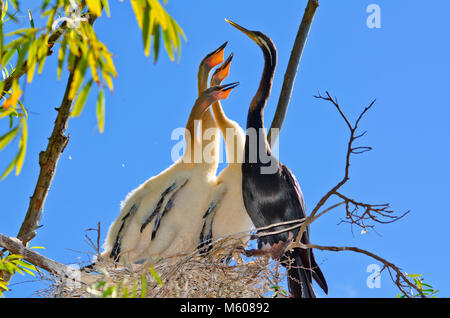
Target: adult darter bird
[{"x": 271, "y": 193}]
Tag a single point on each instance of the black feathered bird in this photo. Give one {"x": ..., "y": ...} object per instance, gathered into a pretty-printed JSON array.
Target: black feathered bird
[{"x": 270, "y": 191}]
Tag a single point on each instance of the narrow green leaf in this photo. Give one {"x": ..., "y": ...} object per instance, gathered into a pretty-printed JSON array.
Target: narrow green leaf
[
  {"x": 31, "y": 61},
  {"x": 22, "y": 146},
  {"x": 155, "y": 276},
  {"x": 101, "y": 111},
  {"x": 6, "y": 138},
  {"x": 168, "y": 44},
  {"x": 30, "y": 17},
  {"x": 146, "y": 29},
  {"x": 42, "y": 53},
  {"x": 143, "y": 286},
  {"x": 10, "y": 167},
  {"x": 106, "y": 6},
  {"x": 25, "y": 265},
  {"x": 81, "y": 99},
  {"x": 156, "y": 38},
  {"x": 22, "y": 51},
  {"x": 78, "y": 78},
  {"x": 4, "y": 9},
  {"x": 27, "y": 33},
  {"x": 61, "y": 56},
  {"x": 2, "y": 40},
  {"x": 134, "y": 293},
  {"x": 15, "y": 4},
  {"x": 8, "y": 55}
]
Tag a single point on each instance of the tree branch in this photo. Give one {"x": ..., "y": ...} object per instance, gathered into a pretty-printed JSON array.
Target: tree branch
[
  {"x": 400, "y": 280},
  {"x": 15, "y": 246},
  {"x": 291, "y": 71},
  {"x": 48, "y": 161}
]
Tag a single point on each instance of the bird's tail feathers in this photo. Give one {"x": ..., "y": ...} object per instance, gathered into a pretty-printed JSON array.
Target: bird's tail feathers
[
  {"x": 299, "y": 278},
  {"x": 317, "y": 274}
]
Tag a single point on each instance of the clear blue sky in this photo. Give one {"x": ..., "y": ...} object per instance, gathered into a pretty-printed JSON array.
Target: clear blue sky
[{"x": 404, "y": 65}]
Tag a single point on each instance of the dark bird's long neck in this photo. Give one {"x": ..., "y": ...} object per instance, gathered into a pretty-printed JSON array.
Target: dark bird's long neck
[{"x": 255, "y": 117}]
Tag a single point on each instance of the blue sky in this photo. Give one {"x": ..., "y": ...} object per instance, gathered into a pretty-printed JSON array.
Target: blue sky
[{"x": 404, "y": 65}]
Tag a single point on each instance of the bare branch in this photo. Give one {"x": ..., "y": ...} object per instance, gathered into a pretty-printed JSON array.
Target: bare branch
[
  {"x": 373, "y": 212},
  {"x": 15, "y": 246},
  {"x": 291, "y": 71},
  {"x": 400, "y": 280},
  {"x": 350, "y": 150}
]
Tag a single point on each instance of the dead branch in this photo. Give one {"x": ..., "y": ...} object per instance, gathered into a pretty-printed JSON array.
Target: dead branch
[
  {"x": 15, "y": 246},
  {"x": 291, "y": 71},
  {"x": 400, "y": 280},
  {"x": 378, "y": 213}
]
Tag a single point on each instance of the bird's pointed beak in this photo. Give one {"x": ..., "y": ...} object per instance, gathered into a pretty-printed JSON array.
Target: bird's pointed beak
[
  {"x": 225, "y": 90},
  {"x": 222, "y": 72},
  {"x": 249, "y": 33},
  {"x": 216, "y": 57}
]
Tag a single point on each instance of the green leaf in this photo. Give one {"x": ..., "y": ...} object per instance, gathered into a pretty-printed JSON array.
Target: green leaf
[
  {"x": 146, "y": 29},
  {"x": 155, "y": 276},
  {"x": 78, "y": 78},
  {"x": 168, "y": 44},
  {"x": 101, "y": 111},
  {"x": 414, "y": 275},
  {"x": 61, "y": 56},
  {"x": 4, "y": 9},
  {"x": 3, "y": 285},
  {"x": 22, "y": 146},
  {"x": 25, "y": 265},
  {"x": 134, "y": 293},
  {"x": 42, "y": 53},
  {"x": 143, "y": 286},
  {"x": 10, "y": 167},
  {"x": 15, "y": 4},
  {"x": 8, "y": 55},
  {"x": 81, "y": 99},
  {"x": 6, "y": 138},
  {"x": 108, "y": 292},
  {"x": 30, "y": 17},
  {"x": 31, "y": 61},
  {"x": 95, "y": 6},
  {"x": 106, "y": 6},
  {"x": 156, "y": 38}
]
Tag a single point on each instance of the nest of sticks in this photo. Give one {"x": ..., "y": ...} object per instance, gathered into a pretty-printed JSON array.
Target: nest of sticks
[{"x": 190, "y": 275}]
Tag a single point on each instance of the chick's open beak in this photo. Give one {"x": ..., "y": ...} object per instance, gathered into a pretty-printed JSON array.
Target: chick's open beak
[
  {"x": 222, "y": 72},
  {"x": 216, "y": 57},
  {"x": 225, "y": 90}
]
